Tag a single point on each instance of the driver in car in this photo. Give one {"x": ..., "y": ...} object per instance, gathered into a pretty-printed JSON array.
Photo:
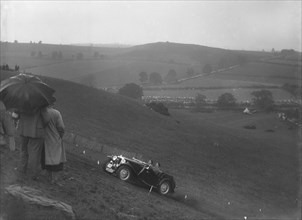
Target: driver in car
[{"x": 156, "y": 168}]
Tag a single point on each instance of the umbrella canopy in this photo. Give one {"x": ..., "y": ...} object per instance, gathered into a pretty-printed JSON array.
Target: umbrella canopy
[{"x": 25, "y": 93}]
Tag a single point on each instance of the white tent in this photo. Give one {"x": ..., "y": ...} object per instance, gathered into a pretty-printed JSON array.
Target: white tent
[{"x": 246, "y": 111}]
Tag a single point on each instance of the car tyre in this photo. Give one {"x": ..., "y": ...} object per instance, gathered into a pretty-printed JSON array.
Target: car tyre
[
  {"x": 124, "y": 173},
  {"x": 164, "y": 187}
]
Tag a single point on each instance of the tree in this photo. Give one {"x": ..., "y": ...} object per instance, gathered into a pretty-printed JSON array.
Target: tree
[
  {"x": 207, "y": 68},
  {"x": 287, "y": 53},
  {"x": 158, "y": 107},
  {"x": 155, "y": 78},
  {"x": 190, "y": 71},
  {"x": 15, "y": 41},
  {"x": 131, "y": 90},
  {"x": 200, "y": 100},
  {"x": 226, "y": 99},
  {"x": 263, "y": 99},
  {"x": 143, "y": 77},
  {"x": 171, "y": 77}
]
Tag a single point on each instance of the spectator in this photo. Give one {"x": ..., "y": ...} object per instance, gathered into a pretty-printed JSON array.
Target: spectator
[
  {"x": 31, "y": 131},
  {"x": 7, "y": 130},
  {"x": 53, "y": 156}
]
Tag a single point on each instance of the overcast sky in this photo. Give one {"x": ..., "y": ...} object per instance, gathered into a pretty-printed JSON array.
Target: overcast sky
[{"x": 249, "y": 25}]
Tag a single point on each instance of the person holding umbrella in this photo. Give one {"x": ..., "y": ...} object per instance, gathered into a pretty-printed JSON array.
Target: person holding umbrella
[
  {"x": 31, "y": 131},
  {"x": 28, "y": 94}
]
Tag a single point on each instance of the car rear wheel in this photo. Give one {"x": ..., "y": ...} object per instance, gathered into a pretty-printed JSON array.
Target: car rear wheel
[
  {"x": 124, "y": 173},
  {"x": 164, "y": 187}
]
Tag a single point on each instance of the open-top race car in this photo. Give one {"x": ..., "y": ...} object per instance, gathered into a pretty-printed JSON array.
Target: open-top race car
[{"x": 133, "y": 169}]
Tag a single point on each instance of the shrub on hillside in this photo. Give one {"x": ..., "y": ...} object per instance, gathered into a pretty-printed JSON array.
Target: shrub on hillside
[
  {"x": 155, "y": 78},
  {"x": 190, "y": 71},
  {"x": 200, "y": 102},
  {"x": 171, "y": 77},
  {"x": 158, "y": 107},
  {"x": 263, "y": 99},
  {"x": 226, "y": 100},
  {"x": 143, "y": 77},
  {"x": 131, "y": 90}
]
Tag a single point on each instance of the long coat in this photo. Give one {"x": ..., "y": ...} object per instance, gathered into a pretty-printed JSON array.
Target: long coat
[
  {"x": 54, "y": 130},
  {"x": 31, "y": 125}
]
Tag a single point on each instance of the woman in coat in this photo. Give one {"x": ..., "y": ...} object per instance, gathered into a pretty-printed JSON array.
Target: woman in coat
[{"x": 54, "y": 151}]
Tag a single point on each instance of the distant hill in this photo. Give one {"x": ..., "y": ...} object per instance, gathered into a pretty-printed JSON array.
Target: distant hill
[
  {"x": 190, "y": 54},
  {"x": 104, "y": 45},
  {"x": 115, "y": 66}
]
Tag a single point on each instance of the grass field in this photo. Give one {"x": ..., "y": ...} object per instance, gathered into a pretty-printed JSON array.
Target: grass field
[
  {"x": 263, "y": 73},
  {"x": 209, "y": 81},
  {"x": 226, "y": 171}
]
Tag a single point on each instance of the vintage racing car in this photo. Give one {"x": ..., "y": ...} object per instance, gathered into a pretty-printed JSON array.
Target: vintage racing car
[{"x": 134, "y": 169}]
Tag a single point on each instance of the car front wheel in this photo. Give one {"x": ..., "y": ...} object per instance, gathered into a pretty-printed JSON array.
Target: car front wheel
[
  {"x": 164, "y": 187},
  {"x": 124, "y": 173}
]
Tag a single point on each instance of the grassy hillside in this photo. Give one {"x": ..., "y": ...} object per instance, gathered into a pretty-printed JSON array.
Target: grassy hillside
[
  {"x": 105, "y": 72},
  {"x": 263, "y": 73},
  {"x": 224, "y": 169},
  {"x": 188, "y": 53}
]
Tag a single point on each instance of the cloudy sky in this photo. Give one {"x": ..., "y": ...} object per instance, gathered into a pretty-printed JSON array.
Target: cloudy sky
[{"x": 248, "y": 25}]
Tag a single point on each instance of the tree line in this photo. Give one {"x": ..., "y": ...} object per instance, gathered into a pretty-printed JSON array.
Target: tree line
[
  {"x": 7, "y": 67},
  {"x": 262, "y": 99}
]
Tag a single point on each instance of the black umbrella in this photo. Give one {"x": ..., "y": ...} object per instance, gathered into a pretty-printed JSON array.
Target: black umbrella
[{"x": 25, "y": 93}]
